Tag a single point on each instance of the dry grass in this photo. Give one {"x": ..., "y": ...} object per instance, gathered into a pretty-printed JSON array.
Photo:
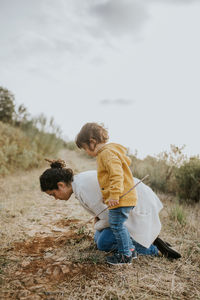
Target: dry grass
[{"x": 44, "y": 256}]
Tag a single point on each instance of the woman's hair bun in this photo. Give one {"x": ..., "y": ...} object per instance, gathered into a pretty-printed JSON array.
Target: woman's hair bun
[{"x": 56, "y": 164}]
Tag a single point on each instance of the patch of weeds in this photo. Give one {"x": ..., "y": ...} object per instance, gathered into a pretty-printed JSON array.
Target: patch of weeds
[
  {"x": 81, "y": 230},
  {"x": 178, "y": 214},
  {"x": 34, "y": 220},
  {"x": 80, "y": 259},
  {"x": 95, "y": 259},
  {"x": 83, "y": 238},
  {"x": 72, "y": 226},
  {"x": 189, "y": 251},
  {"x": 1, "y": 281},
  {"x": 111, "y": 296},
  {"x": 88, "y": 258},
  {"x": 91, "y": 247},
  {"x": 3, "y": 264}
]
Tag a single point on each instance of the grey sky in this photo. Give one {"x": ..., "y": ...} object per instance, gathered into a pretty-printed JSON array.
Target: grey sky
[
  {"x": 119, "y": 101},
  {"x": 66, "y": 58}
]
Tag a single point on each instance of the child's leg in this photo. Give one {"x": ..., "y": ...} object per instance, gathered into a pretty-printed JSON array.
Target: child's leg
[
  {"x": 117, "y": 217},
  {"x": 105, "y": 240}
]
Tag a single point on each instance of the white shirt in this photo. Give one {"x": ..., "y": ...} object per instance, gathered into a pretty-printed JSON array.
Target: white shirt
[{"x": 143, "y": 222}]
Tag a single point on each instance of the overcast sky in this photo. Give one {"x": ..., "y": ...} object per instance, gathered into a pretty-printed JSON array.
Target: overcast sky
[{"x": 133, "y": 65}]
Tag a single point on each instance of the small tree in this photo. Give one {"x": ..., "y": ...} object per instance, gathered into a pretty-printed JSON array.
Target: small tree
[
  {"x": 7, "y": 106},
  {"x": 188, "y": 179}
]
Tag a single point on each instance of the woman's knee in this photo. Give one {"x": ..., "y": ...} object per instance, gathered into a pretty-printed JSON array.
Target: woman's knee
[
  {"x": 102, "y": 246},
  {"x": 106, "y": 240}
]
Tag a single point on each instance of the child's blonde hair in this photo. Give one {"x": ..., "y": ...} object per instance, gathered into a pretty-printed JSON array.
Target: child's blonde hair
[{"x": 91, "y": 131}]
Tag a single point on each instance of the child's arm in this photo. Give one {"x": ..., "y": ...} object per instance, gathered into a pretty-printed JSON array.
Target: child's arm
[{"x": 116, "y": 178}]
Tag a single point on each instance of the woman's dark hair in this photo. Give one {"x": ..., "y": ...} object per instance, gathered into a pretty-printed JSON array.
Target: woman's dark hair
[
  {"x": 57, "y": 173},
  {"x": 91, "y": 131}
]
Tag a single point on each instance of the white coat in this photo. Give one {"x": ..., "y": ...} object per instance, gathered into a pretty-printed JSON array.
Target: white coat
[{"x": 143, "y": 222}]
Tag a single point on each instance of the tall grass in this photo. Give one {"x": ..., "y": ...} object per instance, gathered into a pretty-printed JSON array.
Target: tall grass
[
  {"x": 16, "y": 150},
  {"x": 178, "y": 214}
]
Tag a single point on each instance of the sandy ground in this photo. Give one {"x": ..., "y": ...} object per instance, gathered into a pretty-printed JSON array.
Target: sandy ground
[{"x": 45, "y": 254}]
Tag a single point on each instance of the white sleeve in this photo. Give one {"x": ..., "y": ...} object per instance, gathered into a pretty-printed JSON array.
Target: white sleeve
[
  {"x": 101, "y": 224},
  {"x": 95, "y": 209},
  {"x": 89, "y": 195},
  {"x": 95, "y": 205}
]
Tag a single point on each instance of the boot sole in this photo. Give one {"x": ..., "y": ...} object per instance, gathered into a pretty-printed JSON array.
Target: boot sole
[{"x": 119, "y": 264}]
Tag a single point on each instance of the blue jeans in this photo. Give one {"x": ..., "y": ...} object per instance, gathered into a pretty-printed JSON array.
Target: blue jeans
[
  {"x": 106, "y": 241},
  {"x": 117, "y": 217}
]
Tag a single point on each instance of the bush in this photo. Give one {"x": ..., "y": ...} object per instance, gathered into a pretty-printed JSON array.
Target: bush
[
  {"x": 171, "y": 173},
  {"x": 7, "y": 106},
  {"x": 156, "y": 169},
  {"x": 188, "y": 180},
  {"x": 161, "y": 169},
  {"x": 16, "y": 150},
  {"x": 25, "y": 149}
]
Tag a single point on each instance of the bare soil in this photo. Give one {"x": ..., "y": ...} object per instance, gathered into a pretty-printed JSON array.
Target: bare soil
[{"x": 46, "y": 254}]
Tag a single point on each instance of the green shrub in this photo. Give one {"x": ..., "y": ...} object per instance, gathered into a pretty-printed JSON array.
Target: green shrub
[
  {"x": 156, "y": 169},
  {"x": 7, "y": 106},
  {"x": 188, "y": 180},
  {"x": 15, "y": 150},
  {"x": 161, "y": 169}
]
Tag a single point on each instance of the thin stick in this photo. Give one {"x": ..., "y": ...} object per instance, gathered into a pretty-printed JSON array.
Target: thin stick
[{"x": 119, "y": 198}]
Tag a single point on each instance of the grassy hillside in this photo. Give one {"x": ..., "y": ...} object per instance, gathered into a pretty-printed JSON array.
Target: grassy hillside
[
  {"x": 24, "y": 140},
  {"x": 23, "y": 150}
]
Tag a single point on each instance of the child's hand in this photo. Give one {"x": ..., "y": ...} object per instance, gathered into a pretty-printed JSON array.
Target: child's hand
[{"x": 113, "y": 202}]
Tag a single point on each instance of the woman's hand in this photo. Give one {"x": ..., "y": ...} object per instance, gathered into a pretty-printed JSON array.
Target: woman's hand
[
  {"x": 113, "y": 202},
  {"x": 96, "y": 219}
]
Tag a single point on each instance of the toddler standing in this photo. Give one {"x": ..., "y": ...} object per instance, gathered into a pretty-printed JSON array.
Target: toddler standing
[{"x": 115, "y": 179}]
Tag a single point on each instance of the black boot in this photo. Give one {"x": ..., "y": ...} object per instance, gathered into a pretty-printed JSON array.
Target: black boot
[{"x": 165, "y": 249}]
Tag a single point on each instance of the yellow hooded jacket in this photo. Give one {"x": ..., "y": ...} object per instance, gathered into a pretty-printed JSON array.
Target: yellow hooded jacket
[{"x": 114, "y": 175}]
